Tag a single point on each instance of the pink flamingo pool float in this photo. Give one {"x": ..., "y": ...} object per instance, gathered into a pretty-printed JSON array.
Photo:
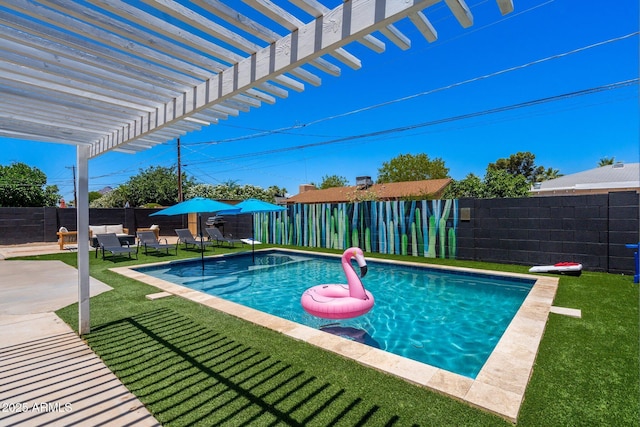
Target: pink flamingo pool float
[{"x": 341, "y": 301}]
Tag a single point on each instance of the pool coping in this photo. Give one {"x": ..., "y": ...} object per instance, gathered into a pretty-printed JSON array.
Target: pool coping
[{"x": 500, "y": 385}]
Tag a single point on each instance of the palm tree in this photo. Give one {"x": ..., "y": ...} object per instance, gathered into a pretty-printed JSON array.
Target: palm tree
[
  {"x": 231, "y": 184},
  {"x": 548, "y": 174},
  {"x": 605, "y": 161}
]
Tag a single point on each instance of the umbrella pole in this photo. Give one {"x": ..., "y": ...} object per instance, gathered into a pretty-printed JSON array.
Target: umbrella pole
[
  {"x": 253, "y": 240},
  {"x": 201, "y": 243}
]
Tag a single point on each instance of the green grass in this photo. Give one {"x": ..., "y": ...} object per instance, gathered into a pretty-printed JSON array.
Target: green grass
[
  {"x": 192, "y": 365},
  {"x": 587, "y": 370}
]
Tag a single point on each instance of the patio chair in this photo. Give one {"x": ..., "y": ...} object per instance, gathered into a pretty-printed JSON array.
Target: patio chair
[
  {"x": 216, "y": 234},
  {"x": 185, "y": 236},
  {"x": 149, "y": 240},
  {"x": 110, "y": 243}
]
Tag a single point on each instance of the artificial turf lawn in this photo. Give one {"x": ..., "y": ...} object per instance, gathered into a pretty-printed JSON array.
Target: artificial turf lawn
[{"x": 191, "y": 364}]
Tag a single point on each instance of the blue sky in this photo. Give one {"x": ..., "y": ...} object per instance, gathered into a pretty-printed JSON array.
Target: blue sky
[{"x": 570, "y": 134}]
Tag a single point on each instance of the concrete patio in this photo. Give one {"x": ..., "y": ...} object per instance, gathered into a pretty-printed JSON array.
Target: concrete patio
[{"x": 48, "y": 375}]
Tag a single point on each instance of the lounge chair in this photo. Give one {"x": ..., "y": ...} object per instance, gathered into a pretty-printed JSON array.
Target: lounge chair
[
  {"x": 149, "y": 240},
  {"x": 185, "y": 236},
  {"x": 215, "y": 234},
  {"x": 110, "y": 243},
  {"x": 154, "y": 228}
]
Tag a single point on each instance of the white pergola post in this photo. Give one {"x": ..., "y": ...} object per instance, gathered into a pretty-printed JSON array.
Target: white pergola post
[{"x": 82, "y": 211}]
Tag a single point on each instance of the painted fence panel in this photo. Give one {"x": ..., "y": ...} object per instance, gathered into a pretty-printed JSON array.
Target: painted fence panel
[{"x": 426, "y": 228}]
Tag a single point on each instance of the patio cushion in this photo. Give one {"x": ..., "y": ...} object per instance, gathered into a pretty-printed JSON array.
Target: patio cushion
[
  {"x": 105, "y": 229},
  {"x": 97, "y": 229},
  {"x": 116, "y": 228}
]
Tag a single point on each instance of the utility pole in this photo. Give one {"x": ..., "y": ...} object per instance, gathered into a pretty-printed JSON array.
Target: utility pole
[
  {"x": 75, "y": 193},
  {"x": 180, "y": 198}
]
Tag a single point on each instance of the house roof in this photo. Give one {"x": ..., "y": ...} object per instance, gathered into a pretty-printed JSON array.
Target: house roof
[
  {"x": 389, "y": 191},
  {"x": 611, "y": 177}
]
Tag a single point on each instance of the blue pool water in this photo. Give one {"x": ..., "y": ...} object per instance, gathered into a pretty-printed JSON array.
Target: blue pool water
[{"x": 448, "y": 320}]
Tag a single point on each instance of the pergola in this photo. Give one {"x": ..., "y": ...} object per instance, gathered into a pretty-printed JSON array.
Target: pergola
[{"x": 128, "y": 75}]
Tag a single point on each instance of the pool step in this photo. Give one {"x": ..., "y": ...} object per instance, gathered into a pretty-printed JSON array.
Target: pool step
[
  {"x": 571, "y": 312},
  {"x": 158, "y": 295}
]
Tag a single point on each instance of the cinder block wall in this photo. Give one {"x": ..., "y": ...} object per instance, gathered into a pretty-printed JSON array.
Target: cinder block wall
[
  {"x": 624, "y": 210},
  {"x": 27, "y": 225},
  {"x": 590, "y": 229},
  {"x": 22, "y": 225}
]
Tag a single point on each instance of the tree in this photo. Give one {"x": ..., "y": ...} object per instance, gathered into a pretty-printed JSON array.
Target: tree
[
  {"x": 521, "y": 163},
  {"x": 233, "y": 191},
  {"x": 93, "y": 196},
  {"x": 407, "y": 167},
  {"x": 24, "y": 186},
  {"x": 275, "y": 191},
  {"x": 330, "y": 181},
  {"x": 497, "y": 183},
  {"x": 502, "y": 184},
  {"x": 469, "y": 187},
  {"x": 115, "y": 198},
  {"x": 606, "y": 161},
  {"x": 156, "y": 184},
  {"x": 231, "y": 184},
  {"x": 548, "y": 174}
]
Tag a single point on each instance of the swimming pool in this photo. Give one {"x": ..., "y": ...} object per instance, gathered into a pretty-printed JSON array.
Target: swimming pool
[{"x": 450, "y": 320}]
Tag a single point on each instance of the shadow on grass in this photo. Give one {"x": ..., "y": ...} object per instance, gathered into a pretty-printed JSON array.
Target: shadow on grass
[{"x": 188, "y": 374}]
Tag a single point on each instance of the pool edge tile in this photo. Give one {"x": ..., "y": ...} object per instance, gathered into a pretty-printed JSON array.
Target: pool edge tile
[
  {"x": 410, "y": 370},
  {"x": 451, "y": 384},
  {"x": 302, "y": 332},
  {"x": 339, "y": 345},
  {"x": 494, "y": 399}
]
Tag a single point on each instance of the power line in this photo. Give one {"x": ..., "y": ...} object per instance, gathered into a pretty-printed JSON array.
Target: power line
[
  {"x": 127, "y": 170},
  {"x": 286, "y": 130},
  {"x": 475, "y": 79},
  {"x": 520, "y": 105},
  {"x": 420, "y": 94},
  {"x": 298, "y": 126}
]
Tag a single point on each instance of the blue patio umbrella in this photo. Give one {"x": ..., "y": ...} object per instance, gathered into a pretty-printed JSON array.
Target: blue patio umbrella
[
  {"x": 197, "y": 205},
  {"x": 253, "y": 206}
]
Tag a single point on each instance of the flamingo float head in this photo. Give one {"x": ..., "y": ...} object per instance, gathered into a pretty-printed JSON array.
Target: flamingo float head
[{"x": 359, "y": 257}]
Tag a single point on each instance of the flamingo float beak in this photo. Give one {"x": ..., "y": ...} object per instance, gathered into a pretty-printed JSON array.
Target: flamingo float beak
[
  {"x": 361, "y": 263},
  {"x": 363, "y": 271}
]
